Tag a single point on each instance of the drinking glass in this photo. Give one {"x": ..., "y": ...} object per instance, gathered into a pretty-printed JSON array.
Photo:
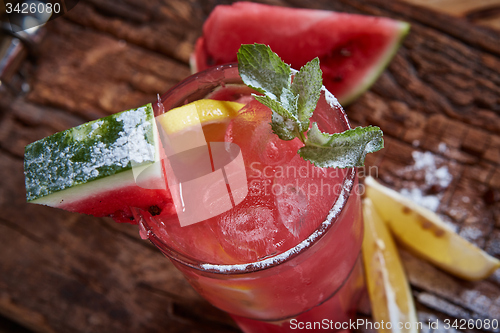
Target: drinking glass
[{"x": 316, "y": 283}]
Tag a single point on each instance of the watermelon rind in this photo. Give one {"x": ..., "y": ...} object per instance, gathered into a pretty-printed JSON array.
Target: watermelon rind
[
  {"x": 192, "y": 63},
  {"x": 378, "y": 67},
  {"x": 94, "y": 157},
  {"x": 78, "y": 193}
]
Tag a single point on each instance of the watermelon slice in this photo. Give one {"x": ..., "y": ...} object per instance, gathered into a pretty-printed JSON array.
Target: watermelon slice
[
  {"x": 100, "y": 168},
  {"x": 353, "y": 49}
]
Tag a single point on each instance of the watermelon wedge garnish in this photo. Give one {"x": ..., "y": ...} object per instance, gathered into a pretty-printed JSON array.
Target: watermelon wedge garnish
[
  {"x": 106, "y": 166},
  {"x": 353, "y": 49},
  {"x": 89, "y": 168}
]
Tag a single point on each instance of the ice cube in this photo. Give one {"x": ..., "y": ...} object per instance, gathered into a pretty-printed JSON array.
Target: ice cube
[{"x": 292, "y": 206}]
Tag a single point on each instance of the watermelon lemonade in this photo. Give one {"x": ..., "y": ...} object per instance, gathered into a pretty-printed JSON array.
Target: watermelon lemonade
[{"x": 285, "y": 254}]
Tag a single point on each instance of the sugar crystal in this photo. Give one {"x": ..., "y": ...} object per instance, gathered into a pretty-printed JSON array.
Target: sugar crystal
[{"x": 90, "y": 151}]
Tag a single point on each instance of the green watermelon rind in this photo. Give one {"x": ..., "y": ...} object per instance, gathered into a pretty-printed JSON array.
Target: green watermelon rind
[
  {"x": 378, "y": 68},
  {"x": 77, "y": 193},
  {"x": 94, "y": 153}
]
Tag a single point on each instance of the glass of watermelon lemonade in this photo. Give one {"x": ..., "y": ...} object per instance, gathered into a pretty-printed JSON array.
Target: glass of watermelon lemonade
[{"x": 288, "y": 255}]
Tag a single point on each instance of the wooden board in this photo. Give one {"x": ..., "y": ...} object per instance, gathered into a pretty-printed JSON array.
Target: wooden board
[
  {"x": 482, "y": 12},
  {"x": 60, "y": 272}
]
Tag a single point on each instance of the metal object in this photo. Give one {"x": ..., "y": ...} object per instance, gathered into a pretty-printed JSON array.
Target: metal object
[{"x": 16, "y": 46}]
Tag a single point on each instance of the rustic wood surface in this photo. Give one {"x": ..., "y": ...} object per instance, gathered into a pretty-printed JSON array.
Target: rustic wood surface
[
  {"x": 438, "y": 101},
  {"x": 483, "y": 12}
]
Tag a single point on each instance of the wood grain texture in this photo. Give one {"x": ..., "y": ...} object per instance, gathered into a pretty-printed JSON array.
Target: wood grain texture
[
  {"x": 64, "y": 272},
  {"x": 482, "y": 12}
]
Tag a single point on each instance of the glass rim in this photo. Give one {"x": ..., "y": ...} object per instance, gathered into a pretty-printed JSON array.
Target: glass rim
[
  {"x": 272, "y": 260},
  {"x": 193, "y": 80}
]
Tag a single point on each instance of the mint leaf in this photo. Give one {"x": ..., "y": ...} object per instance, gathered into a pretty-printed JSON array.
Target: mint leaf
[
  {"x": 341, "y": 150},
  {"x": 261, "y": 69},
  {"x": 283, "y": 128},
  {"x": 279, "y": 108},
  {"x": 283, "y": 122},
  {"x": 293, "y": 103},
  {"x": 306, "y": 86}
]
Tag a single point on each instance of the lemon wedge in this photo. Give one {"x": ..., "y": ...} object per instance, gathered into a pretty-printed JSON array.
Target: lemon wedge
[
  {"x": 388, "y": 288},
  {"x": 193, "y": 125},
  {"x": 203, "y": 111},
  {"x": 425, "y": 234}
]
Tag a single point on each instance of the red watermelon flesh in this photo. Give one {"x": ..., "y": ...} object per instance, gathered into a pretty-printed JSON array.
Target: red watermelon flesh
[
  {"x": 116, "y": 202},
  {"x": 353, "y": 49}
]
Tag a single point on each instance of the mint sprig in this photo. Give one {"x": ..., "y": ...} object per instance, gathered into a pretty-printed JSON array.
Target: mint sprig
[{"x": 293, "y": 102}]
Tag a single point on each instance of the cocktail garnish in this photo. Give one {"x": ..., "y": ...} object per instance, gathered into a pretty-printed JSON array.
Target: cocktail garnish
[{"x": 293, "y": 102}]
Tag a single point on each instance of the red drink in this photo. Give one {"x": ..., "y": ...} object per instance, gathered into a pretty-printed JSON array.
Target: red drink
[{"x": 287, "y": 256}]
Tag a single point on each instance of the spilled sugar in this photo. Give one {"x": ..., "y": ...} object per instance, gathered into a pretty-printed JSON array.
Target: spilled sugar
[
  {"x": 433, "y": 176},
  {"x": 480, "y": 303},
  {"x": 442, "y": 147},
  {"x": 416, "y": 195},
  {"x": 471, "y": 233},
  {"x": 437, "y": 303}
]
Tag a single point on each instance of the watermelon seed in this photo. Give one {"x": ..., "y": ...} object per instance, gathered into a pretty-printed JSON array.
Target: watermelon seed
[
  {"x": 210, "y": 61},
  {"x": 154, "y": 210},
  {"x": 345, "y": 52},
  {"x": 338, "y": 78}
]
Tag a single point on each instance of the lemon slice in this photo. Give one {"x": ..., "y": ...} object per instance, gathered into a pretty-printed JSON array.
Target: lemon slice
[
  {"x": 203, "y": 111},
  {"x": 388, "y": 288},
  {"x": 193, "y": 125},
  {"x": 425, "y": 234}
]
